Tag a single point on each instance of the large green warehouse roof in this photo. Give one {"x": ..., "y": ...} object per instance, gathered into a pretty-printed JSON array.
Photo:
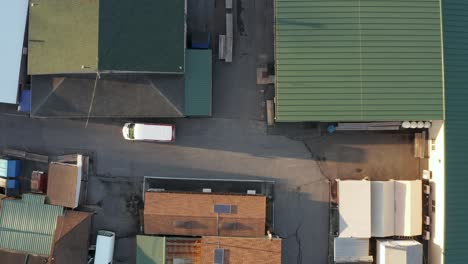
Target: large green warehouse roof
[
  {"x": 455, "y": 13},
  {"x": 82, "y": 36},
  {"x": 358, "y": 60}
]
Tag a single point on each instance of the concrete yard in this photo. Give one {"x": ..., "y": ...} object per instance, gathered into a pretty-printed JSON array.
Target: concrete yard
[{"x": 234, "y": 143}]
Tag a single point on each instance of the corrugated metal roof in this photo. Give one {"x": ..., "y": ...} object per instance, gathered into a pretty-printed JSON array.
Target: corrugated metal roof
[
  {"x": 151, "y": 250},
  {"x": 28, "y": 225},
  {"x": 355, "y": 60},
  {"x": 198, "y": 92},
  {"x": 455, "y": 13},
  {"x": 63, "y": 36},
  {"x": 145, "y": 35},
  {"x": 78, "y": 36}
]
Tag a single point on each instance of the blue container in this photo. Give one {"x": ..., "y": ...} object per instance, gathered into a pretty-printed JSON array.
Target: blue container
[
  {"x": 12, "y": 184},
  {"x": 25, "y": 101},
  {"x": 10, "y": 168},
  {"x": 14, "y": 168}
]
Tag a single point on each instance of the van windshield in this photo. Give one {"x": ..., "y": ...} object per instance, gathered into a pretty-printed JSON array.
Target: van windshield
[{"x": 131, "y": 129}]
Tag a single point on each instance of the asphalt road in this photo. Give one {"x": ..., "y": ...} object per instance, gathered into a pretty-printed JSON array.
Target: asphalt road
[
  {"x": 233, "y": 144},
  {"x": 216, "y": 147}
]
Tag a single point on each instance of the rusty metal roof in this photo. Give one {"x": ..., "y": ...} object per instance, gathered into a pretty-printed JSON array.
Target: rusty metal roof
[{"x": 28, "y": 225}]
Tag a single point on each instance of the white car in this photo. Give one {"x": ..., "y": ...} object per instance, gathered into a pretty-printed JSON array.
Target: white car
[{"x": 149, "y": 132}]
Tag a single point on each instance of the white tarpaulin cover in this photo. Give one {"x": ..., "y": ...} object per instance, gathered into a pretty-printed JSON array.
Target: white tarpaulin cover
[
  {"x": 408, "y": 208},
  {"x": 399, "y": 251},
  {"x": 383, "y": 208},
  {"x": 396, "y": 208},
  {"x": 352, "y": 250},
  {"x": 354, "y": 208},
  {"x": 13, "y": 15}
]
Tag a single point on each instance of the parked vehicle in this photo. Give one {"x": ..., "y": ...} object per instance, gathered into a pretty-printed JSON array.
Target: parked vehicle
[
  {"x": 104, "y": 247},
  {"x": 149, "y": 132}
]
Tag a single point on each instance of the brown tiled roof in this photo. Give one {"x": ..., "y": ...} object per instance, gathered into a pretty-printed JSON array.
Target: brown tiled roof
[
  {"x": 13, "y": 257},
  {"x": 71, "y": 238},
  {"x": 193, "y": 214},
  {"x": 62, "y": 184},
  {"x": 239, "y": 250},
  {"x": 183, "y": 248}
]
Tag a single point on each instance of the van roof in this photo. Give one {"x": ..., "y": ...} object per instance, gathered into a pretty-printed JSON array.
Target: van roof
[{"x": 153, "y": 132}]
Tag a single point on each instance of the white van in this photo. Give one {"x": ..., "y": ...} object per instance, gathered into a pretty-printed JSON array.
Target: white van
[
  {"x": 104, "y": 247},
  {"x": 149, "y": 132}
]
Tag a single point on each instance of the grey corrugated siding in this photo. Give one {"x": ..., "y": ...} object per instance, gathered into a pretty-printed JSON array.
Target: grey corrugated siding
[
  {"x": 455, "y": 14},
  {"x": 28, "y": 225},
  {"x": 358, "y": 60}
]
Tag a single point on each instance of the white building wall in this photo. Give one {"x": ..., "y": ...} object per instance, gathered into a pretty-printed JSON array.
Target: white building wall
[{"x": 437, "y": 167}]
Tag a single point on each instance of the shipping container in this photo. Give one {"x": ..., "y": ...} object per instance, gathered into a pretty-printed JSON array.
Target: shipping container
[{"x": 10, "y": 168}]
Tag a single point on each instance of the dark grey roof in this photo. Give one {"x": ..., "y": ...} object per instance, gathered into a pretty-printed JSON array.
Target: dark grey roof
[{"x": 116, "y": 95}]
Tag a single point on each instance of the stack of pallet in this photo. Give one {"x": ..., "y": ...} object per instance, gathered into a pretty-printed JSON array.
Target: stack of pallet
[{"x": 421, "y": 145}]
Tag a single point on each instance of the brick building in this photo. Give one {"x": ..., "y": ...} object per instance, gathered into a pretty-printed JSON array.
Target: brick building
[
  {"x": 240, "y": 250},
  {"x": 204, "y": 214}
]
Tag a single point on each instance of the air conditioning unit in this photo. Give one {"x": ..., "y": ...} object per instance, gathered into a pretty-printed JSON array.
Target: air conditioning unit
[
  {"x": 207, "y": 190},
  {"x": 252, "y": 192}
]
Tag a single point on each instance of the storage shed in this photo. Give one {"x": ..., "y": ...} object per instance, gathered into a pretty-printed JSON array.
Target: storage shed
[
  {"x": 358, "y": 60},
  {"x": 198, "y": 83}
]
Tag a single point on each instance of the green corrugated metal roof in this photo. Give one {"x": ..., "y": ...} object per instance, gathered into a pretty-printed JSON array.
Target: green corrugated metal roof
[
  {"x": 151, "y": 250},
  {"x": 63, "y": 36},
  {"x": 28, "y": 225},
  {"x": 198, "y": 92},
  {"x": 144, "y": 35},
  {"x": 455, "y": 13},
  {"x": 354, "y": 60},
  {"x": 75, "y": 36}
]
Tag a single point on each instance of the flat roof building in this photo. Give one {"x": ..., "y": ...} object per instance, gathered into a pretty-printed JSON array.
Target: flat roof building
[
  {"x": 67, "y": 36},
  {"x": 241, "y": 250},
  {"x": 195, "y": 214}
]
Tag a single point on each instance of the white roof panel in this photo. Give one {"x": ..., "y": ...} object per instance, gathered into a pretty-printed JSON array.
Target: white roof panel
[
  {"x": 383, "y": 208},
  {"x": 13, "y": 16},
  {"x": 399, "y": 251},
  {"x": 354, "y": 208},
  {"x": 408, "y": 208},
  {"x": 352, "y": 250}
]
